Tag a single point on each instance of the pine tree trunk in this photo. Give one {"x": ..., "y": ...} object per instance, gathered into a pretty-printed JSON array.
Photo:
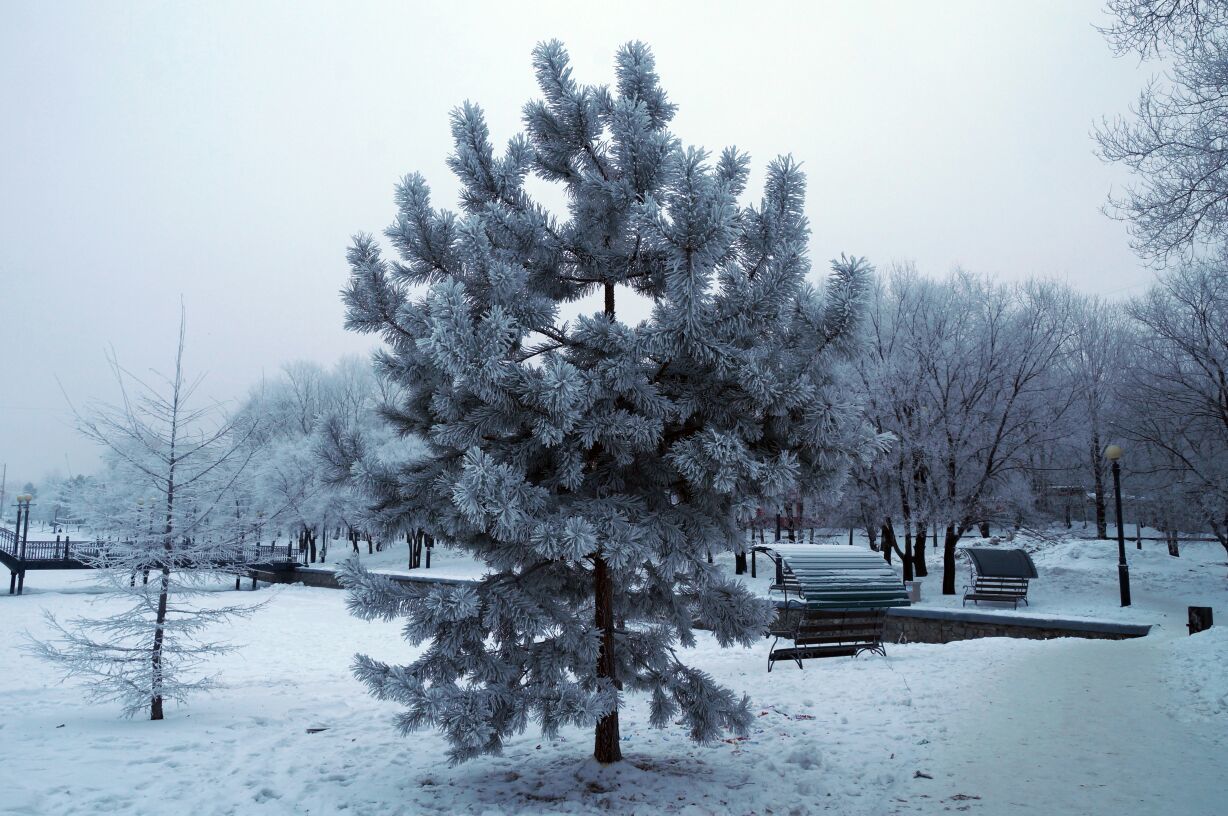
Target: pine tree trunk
[
  {"x": 948, "y": 560},
  {"x": 606, "y": 747}
]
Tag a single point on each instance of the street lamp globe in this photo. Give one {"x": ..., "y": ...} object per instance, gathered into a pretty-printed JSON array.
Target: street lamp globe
[{"x": 1112, "y": 453}]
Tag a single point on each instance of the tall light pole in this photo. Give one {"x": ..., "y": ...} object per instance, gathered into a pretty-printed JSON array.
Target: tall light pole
[
  {"x": 1113, "y": 454},
  {"x": 23, "y": 529},
  {"x": 21, "y": 532}
]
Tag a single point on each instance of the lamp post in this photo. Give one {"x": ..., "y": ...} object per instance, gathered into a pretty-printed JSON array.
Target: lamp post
[
  {"x": 1113, "y": 454},
  {"x": 21, "y": 533},
  {"x": 24, "y": 526}
]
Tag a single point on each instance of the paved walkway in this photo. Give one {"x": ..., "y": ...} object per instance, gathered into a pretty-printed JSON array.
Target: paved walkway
[{"x": 1056, "y": 730}]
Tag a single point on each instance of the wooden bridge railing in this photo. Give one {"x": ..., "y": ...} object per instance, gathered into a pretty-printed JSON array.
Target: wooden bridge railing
[{"x": 90, "y": 551}]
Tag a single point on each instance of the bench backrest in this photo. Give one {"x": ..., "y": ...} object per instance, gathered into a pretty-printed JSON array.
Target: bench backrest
[{"x": 828, "y": 626}]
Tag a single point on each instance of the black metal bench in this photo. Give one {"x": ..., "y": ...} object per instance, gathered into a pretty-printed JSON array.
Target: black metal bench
[
  {"x": 998, "y": 575},
  {"x": 996, "y": 589},
  {"x": 827, "y": 633}
]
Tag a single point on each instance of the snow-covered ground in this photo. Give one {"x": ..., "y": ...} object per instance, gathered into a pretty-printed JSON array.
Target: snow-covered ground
[{"x": 991, "y": 726}]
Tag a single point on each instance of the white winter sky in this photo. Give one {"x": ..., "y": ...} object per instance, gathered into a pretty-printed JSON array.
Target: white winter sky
[{"x": 224, "y": 152}]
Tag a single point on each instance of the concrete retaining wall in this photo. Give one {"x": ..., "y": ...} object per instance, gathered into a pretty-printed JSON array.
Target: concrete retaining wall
[
  {"x": 921, "y": 625},
  {"x": 904, "y": 624},
  {"x": 327, "y": 579}
]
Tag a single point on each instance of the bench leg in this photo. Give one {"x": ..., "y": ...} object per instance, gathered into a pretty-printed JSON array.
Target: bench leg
[{"x": 772, "y": 660}]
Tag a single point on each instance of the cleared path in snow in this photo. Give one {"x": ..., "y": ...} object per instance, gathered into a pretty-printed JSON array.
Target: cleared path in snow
[{"x": 1077, "y": 727}]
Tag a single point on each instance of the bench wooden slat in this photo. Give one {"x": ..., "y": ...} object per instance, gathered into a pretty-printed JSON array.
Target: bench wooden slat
[
  {"x": 803, "y": 653},
  {"x": 807, "y": 640},
  {"x": 859, "y": 630}
]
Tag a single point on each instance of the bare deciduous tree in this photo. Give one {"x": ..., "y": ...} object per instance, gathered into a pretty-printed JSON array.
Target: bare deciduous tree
[
  {"x": 1174, "y": 140},
  {"x": 163, "y": 517},
  {"x": 1094, "y": 367},
  {"x": 988, "y": 358},
  {"x": 1178, "y": 389}
]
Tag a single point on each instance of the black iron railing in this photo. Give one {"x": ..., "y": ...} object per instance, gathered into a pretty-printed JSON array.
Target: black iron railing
[{"x": 97, "y": 551}]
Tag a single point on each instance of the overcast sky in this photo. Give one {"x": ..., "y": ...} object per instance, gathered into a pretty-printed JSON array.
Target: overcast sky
[{"x": 225, "y": 152}]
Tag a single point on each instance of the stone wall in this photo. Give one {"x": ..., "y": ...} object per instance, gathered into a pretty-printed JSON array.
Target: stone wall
[
  {"x": 920, "y": 625},
  {"x": 327, "y": 579}
]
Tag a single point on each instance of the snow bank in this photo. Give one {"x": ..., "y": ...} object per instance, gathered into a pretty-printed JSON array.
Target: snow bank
[{"x": 1197, "y": 668}]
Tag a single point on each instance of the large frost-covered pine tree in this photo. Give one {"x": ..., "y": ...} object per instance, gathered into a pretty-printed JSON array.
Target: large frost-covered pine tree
[{"x": 593, "y": 463}]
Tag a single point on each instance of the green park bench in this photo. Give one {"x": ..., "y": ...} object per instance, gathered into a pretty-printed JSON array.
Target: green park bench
[{"x": 835, "y": 601}]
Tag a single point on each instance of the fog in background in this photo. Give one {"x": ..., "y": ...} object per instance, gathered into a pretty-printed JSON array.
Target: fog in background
[{"x": 225, "y": 152}]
